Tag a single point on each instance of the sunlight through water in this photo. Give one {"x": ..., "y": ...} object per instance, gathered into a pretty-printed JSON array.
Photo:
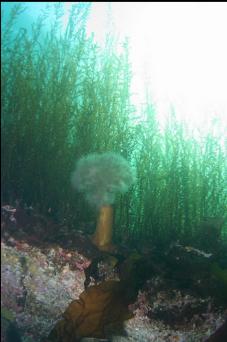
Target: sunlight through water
[
  {"x": 178, "y": 53},
  {"x": 177, "y": 50}
]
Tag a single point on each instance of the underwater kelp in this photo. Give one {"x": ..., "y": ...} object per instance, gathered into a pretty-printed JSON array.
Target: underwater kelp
[
  {"x": 64, "y": 97},
  {"x": 60, "y": 100},
  {"x": 182, "y": 181}
]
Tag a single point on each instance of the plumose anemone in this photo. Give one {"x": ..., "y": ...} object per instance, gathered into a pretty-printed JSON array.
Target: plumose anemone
[{"x": 100, "y": 177}]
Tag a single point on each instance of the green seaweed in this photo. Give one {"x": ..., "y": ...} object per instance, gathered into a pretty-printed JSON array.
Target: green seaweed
[
  {"x": 63, "y": 97},
  {"x": 219, "y": 273}
]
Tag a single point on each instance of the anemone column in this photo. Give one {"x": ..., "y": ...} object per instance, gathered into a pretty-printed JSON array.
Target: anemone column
[{"x": 103, "y": 234}]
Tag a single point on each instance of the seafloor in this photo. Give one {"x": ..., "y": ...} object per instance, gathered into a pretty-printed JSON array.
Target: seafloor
[{"x": 46, "y": 266}]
